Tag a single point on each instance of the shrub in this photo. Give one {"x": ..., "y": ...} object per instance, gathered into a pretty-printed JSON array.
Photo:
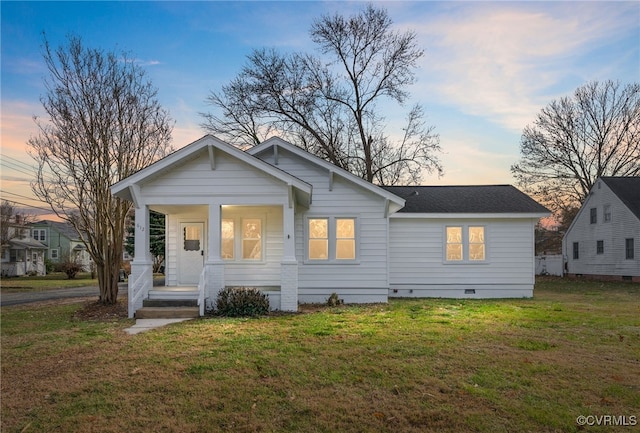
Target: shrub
[
  {"x": 241, "y": 302},
  {"x": 334, "y": 300}
]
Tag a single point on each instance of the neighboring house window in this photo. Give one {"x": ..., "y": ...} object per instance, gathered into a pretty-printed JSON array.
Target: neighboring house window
[
  {"x": 54, "y": 254},
  {"x": 228, "y": 239},
  {"x": 599, "y": 247},
  {"x": 465, "y": 243},
  {"x": 606, "y": 215},
  {"x": 16, "y": 255},
  {"x": 331, "y": 239},
  {"x": 629, "y": 249},
  {"x": 576, "y": 251},
  {"x": 594, "y": 215},
  {"x": 252, "y": 239},
  {"x": 40, "y": 235},
  {"x": 34, "y": 257}
]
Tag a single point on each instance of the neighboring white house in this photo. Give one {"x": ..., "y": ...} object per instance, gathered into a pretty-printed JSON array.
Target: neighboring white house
[
  {"x": 283, "y": 220},
  {"x": 603, "y": 238},
  {"x": 21, "y": 255}
]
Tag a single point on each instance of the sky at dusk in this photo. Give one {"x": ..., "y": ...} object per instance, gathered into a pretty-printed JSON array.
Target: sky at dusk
[{"x": 488, "y": 68}]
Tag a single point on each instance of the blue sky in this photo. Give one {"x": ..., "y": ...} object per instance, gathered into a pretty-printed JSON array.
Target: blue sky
[{"x": 488, "y": 69}]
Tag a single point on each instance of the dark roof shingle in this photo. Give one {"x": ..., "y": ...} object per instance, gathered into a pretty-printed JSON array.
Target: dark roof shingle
[
  {"x": 627, "y": 189},
  {"x": 466, "y": 199}
]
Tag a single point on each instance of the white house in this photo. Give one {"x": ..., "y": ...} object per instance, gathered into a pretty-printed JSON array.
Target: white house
[
  {"x": 299, "y": 228},
  {"x": 603, "y": 238}
]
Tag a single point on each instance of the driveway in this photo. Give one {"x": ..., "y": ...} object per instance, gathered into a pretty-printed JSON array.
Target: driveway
[{"x": 17, "y": 298}]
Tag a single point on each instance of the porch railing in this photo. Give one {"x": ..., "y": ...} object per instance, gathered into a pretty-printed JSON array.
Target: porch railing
[
  {"x": 138, "y": 289},
  {"x": 201, "y": 284}
]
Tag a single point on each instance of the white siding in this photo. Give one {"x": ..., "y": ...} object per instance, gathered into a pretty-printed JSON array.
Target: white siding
[
  {"x": 364, "y": 281},
  {"x": 230, "y": 179},
  {"x": 418, "y": 268},
  {"x": 623, "y": 225}
]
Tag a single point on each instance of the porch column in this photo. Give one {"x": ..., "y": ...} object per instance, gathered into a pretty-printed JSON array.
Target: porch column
[
  {"x": 289, "y": 266},
  {"x": 141, "y": 278},
  {"x": 214, "y": 266}
]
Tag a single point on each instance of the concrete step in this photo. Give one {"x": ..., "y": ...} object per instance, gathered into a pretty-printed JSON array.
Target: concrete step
[
  {"x": 167, "y": 312},
  {"x": 169, "y": 302}
]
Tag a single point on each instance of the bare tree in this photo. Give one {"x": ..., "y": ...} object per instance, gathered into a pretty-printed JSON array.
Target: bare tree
[
  {"x": 329, "y": 105},
  {"x": 104, "y": 123},
  {"x": 577, "y": 139}
]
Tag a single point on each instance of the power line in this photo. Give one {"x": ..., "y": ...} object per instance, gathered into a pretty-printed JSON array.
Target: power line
[
  {"x": 17, "y": 161},
  {"x": 20, "y": 195},
  {"x": 29, "y": 205},
  {"x": 10, "y": 165}
]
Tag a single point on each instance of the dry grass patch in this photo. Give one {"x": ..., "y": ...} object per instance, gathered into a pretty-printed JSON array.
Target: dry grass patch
[{"x": 411, "y": 366}]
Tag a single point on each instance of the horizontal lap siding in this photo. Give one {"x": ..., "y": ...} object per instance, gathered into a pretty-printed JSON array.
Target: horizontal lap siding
[
  {"x": 417, "y": 253},
  {"x": 344, "y": 200},
  {"x": 623, "y": 225},
  {"x": 231, "y": 177}
]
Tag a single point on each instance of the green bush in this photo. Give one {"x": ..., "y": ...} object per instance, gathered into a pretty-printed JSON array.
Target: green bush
[{"x": 241, "y": 302}]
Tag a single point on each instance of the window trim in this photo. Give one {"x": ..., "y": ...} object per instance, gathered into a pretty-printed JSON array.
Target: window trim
[
  {"x": 576, "y": 251},
  {"x": 606, "y": 213},
  {"x": 41, "y": 235},
  {"x": 238, "y": 239},
  {"x": 628, "y": 256},
  {"x": 593, "y": 215},
  {"x": 599, "y": 247},
  {"x": 465, "y": 245},
  {"x": 57, "y": 254},
  {"x": 332, "y": 240}
]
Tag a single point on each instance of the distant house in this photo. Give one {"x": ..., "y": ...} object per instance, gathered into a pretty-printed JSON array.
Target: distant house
[
  {"x": 299, "y": 228},
  {"x": 21, "y": 254},
  {"x": 603, "y": 238},
  {"x": 62, "y": 241}
]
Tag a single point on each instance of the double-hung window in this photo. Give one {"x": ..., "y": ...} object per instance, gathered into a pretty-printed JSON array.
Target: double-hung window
[
  {"x": 242, "y": 235},
  {"x": 593, "y": 215},
  {"x": 465, "y": 244},
  {"x": 40, "y": 234},
  {"x": 331, "y": 239},
  {"x": 629, "y": 252}
]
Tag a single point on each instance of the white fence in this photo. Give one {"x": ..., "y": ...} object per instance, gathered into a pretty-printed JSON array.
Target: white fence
[{"x": 549, "y": 265}]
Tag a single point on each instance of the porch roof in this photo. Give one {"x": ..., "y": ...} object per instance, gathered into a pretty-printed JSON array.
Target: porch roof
[{"x": 126, "y": 188}]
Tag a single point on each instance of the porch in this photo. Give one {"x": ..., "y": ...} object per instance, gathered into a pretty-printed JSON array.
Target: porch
[{"x": 211, "y": 247}]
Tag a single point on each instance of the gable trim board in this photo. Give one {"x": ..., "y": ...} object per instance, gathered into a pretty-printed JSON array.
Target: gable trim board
[
  {"x": 601, "y": 245},
  {"x": 398, "y": 239}
]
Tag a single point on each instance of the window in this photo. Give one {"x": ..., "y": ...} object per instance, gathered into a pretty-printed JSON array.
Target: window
[
  {"x": 318, "y": 239},
  {"x": 465, "y": 243},
  {"x": 192, "y": 236},
  {"x": 594, "y": 215},
  {"x": 345, "y": 239},
  {"x": 454, "y": 243},
  {"x": 606, "y": 214},
  {"x": 241, "y": 239},
  {"x": 54, "y": 254},
  {"x": 252, "y": 239},
  {"x": 40, "y": 234},
  {"x": 576, "y": 251},
  {"x": 228, "y": 239},
  {"x": 331, "y": 239},
  {"x": 599, "y": 247},
  {"x": 629, "y": 249}
]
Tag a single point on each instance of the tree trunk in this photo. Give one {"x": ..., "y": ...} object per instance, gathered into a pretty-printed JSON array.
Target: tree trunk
[{"x": 108, "y": 276}]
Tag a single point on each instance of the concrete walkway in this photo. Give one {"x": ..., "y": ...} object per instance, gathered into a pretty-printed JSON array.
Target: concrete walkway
[{"x": 143, "y": 325}]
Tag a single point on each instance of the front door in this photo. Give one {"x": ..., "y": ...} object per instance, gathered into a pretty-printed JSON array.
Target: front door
[{"x": 191, "y": 256}]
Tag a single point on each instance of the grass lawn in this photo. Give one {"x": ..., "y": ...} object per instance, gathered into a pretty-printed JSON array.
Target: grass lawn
[
  {"x": 427, "y": 365},
  {"x": 56, "y": 280}
]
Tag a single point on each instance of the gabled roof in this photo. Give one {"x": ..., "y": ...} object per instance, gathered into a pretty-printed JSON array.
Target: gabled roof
[
  {"x": 483, "y": 199},
  {"x": 65, "y": 229},
  {"x": 397, "y": 202},
  {"x": 123, "y": 189},
  {"x": 628, "y": 191}
]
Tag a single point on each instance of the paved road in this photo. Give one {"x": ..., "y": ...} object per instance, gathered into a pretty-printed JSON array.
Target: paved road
[{"x": 47, "y": 295}]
